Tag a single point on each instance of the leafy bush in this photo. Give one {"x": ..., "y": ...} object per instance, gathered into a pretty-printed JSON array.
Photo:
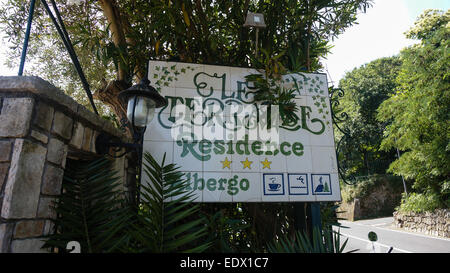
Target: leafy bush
[
  {"x": 322, "y": 241},
  {"x": 419, "y": 202},
  {"x": 367, "y": 184},
  {"x": 92, "y": 210},
  {"x": 418, "y": 112},
  {"x": 365, "y": 88},
  {"x": 167, "y": 220},
  {"x": 360, "y": 189}
]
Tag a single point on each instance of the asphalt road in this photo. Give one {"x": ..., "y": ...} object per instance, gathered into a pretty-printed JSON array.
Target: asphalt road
[{"x": 389, "y": 236}]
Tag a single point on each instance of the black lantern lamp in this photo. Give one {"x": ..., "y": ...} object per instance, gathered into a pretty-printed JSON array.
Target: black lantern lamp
[{"x": 141, "y": 99}]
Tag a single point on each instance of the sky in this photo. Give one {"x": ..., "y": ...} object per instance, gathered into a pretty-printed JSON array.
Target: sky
[{"x": 380, "y": 33}]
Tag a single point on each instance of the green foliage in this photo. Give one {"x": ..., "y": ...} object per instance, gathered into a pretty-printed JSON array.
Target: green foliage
[
  {"x": 90, "y": 209},
  {"x": 165, "y": 219},
  {"x": 329, "y": 214},
  {"x": 367, "y": 184},
  {"x": 365, "y": 89},
  {"x": 321, "y": 242},
  {"x": 261, "y": 222},
  {"x": 361, "y": 189},
  {"x": 47, "y": 57},
  {"x": 419, "y": 202},
  {"x": 268, "y": 91},
  {"x": 368, "y": 86},
  {"x": 206, "y": 31},
  {"x": 225, "y": 232},
  {"x": 419, "y": 113},
  {"x": 402, "y": 103}
]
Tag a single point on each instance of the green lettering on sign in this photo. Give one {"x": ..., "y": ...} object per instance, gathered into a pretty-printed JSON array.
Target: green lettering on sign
[{"x": 230, "y": 186}]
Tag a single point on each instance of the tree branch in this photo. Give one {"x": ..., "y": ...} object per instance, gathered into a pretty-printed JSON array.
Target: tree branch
[{"x": 117, "y": 27}]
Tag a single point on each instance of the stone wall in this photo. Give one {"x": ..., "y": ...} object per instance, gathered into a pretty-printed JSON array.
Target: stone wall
[
  {"x": 349, "y": 210},
  {"x": 40, "y": 127},
  {"x": 435, "y": 223},
  {"x": 376, "y": 198}
]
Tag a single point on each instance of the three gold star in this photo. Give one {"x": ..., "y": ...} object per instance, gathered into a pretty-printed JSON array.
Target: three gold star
[{"x": 245, "y": 164}]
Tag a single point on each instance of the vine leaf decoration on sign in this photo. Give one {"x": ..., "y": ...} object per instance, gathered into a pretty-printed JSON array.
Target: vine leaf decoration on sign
[
  {"x": 316, "y": 86},
  {"x": 164, "y": 75},
  {"x": 297, "y": 83},
  {"x": 322, "y": 107}
]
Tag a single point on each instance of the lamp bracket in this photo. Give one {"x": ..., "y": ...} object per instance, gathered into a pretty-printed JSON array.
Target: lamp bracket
[{"x": 104, "y": 142}]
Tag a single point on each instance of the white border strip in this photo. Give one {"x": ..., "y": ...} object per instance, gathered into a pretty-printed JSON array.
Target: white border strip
[
  {"x": 367, "y": 241},
  {"x": 400, "y": 231}
]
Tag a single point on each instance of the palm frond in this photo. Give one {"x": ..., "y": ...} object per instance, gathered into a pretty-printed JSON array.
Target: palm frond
[
  {"x": 91, "y": 208},
  {"x": 168, "y": 221},
  {"x": 322, "y": 241}
]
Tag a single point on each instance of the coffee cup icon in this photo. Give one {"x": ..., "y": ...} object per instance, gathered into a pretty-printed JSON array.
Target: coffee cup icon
[{"x": 273, "y": 186}]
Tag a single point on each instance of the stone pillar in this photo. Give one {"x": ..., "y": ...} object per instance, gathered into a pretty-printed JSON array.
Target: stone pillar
[
  {"x": 40, "y": 127},
  {"x": 31, "y": 173}
]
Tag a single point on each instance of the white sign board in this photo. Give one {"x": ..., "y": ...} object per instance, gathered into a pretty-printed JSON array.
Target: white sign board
[{"x": 219, "y": 136}]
